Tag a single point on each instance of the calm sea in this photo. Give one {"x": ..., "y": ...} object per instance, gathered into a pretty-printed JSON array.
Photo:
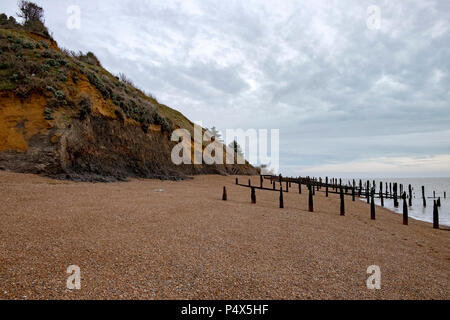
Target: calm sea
[{"x": 417, "y": 211}]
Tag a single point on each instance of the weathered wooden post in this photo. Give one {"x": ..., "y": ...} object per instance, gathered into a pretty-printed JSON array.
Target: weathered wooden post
[
  {"x": 342, "y": 203},
  {"x": 410, "y": 195},
  {"x": 249, "y": 183},
  {"x": 281, "y": 198},
  {"x": 435, "y": 216},
  {"x": 387, "y": 191},
  {"x": 313, "y": 189},
  {"x": 273, "y": 186},
  {"x": 405, "y": 210},
  {"x": 401, "y": 189},
  {"x": 299, "y": 186},
  {"x": 434, "y": 194},
  {"x": 253, "y": 195},
  {"x": 445, "y": 195},
  {"x": 353, "y": 191},
  {"x": 381, "y": 194},
  {"x": 372, "y": 204},
  {"x": 287, "y": 186},
  {"x": 395, "y": 196},
  {"x": 390, "y": 189},
  {"x": 439, "y": 202},
  {"x": 423, "y": 197},
  {"x": 224, "y": 194},
  {"x": 326, "y": 187},
  {"x": 360, "y": 188},
  {"x": 260, "y": 181},
  {"x": 237, "y": 181},
  {"x": 310, "y": 200},
  {"x": 367, "y": 191}
]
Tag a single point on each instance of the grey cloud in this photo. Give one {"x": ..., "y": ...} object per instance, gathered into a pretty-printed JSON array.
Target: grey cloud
[{"x": 337, "y": 90}]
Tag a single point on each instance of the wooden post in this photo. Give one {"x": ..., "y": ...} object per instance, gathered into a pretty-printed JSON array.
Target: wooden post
[
  {"x": 281, "y": 198},
  {"x": 287, "y": 186},
  {"x": 410, "y": 195},
  {"x": 360, "y": 188},
  {"x": 390, "y": 189},
  {"x": 405, "y": 210},
  {"x": 237, "y": 181},
  {"x": 273, "y": 186},
  {"x": 372, "y": 204},
  {"x": 438, "y": 202},
  {"x": 387, "y": 190},
  {"x": 395, "y": 196},
  {"x": 299, "y": 186},
  {"x": 224, "y": 194},
  {"x": 342, "y": 203},
  {"x": 249, "y": 183},
  {"x": 423, "y": 197},
  {"x": 253, "y": 195},
  {"x": 353, "y": 191},
  {"x": 434, "y": 194},
  {"x": 261, "y": 181},
  {"x": 326, "y": 187},
  {"x": 381, "y": 194},
  {"x": 310, "y": 200},
  {"x": 367, "y": 191},
  {"x": 445, "y": 195},
  {"x": 313, "y": 189},
  {"x": 435, "y": 216}
]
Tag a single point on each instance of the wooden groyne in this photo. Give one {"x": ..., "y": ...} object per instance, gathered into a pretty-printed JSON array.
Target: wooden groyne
[{"x": 351, "y": 189}]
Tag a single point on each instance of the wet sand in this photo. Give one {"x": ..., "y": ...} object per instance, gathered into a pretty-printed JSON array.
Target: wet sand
[{"x": 132, "y": 242}]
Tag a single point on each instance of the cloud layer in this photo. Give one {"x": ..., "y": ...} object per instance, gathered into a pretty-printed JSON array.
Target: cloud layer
[{"x": 339, "y": 92}]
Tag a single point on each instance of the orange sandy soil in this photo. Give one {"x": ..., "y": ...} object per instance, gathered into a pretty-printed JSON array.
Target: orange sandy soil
[{"x": 186, "y": 243}]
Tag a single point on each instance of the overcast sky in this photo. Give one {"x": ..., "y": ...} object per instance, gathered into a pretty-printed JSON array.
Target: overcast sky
[{"x": 349, "y": 98}]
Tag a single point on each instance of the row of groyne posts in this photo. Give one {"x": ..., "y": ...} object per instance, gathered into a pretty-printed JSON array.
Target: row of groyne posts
[{"x": 392, "y": 191}]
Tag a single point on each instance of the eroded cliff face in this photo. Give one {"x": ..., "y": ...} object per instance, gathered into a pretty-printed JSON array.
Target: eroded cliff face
[
  {"x": 63, "y": 115},
  {"x": 101, "y": 147}
]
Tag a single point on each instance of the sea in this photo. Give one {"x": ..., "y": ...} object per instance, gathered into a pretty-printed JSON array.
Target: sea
[{"x": 417, "y": 211}]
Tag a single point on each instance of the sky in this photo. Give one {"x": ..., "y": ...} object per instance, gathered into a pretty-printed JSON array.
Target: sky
[{"x": 356, "y": 88}]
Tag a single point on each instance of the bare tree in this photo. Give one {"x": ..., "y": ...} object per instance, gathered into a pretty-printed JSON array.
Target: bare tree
[{"x": 30, "y": 12}]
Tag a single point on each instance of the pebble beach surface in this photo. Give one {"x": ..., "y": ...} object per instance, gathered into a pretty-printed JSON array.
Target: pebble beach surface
[{"x": 152, "y": 239}]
